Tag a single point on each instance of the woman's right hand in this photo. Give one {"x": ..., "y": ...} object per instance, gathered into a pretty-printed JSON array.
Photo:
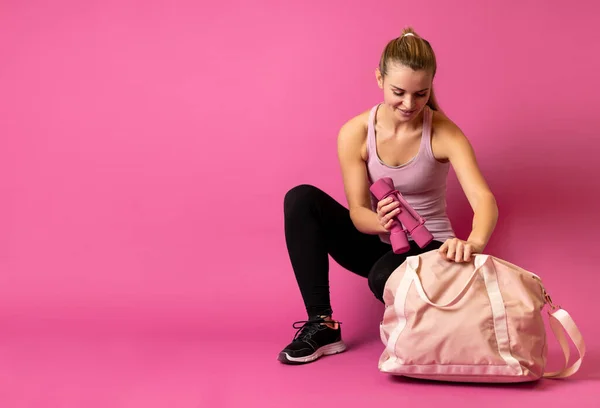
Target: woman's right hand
[{"x": 387, "y": 209}]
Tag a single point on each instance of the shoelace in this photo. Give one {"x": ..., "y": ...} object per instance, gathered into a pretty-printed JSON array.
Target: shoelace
[{"x": 308, "y": 328}]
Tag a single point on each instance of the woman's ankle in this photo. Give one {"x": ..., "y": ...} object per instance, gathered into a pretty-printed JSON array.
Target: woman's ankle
[{"x": 333, "y": 325}]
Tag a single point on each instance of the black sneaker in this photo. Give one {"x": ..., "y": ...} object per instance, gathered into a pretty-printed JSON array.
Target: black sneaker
[{"x": 312, "y": 340}]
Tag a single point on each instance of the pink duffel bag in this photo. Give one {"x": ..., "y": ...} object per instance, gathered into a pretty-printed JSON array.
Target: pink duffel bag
[{"x": 479, "y": 321}]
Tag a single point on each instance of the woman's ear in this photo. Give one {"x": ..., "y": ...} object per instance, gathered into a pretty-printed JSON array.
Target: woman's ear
[{"x": 379, "y": 78}]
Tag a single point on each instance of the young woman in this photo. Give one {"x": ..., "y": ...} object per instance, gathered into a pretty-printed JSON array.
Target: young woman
[{"x": 409, "y": 139}]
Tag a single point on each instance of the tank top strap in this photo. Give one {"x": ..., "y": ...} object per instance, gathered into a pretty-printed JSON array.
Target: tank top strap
[
  {"x": 426, "y": 136},
  {"x": 371, "y": 142}
]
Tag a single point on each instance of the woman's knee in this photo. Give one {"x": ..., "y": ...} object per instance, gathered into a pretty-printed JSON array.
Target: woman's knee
[
  {"x": 377, "y": 279},
  {"x": 381, "y": 272},
  {"x": 300, "y": 197}
]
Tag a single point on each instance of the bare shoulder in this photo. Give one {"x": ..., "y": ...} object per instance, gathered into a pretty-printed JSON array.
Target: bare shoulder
[
  {"x": 353, "y": 134},
  {"x": 446, "y": 137}
]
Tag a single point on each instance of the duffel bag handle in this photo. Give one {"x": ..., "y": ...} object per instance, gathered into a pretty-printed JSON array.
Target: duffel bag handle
[{"x": 413, "y": 265}]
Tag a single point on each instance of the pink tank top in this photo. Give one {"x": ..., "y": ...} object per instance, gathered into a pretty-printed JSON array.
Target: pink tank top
[{"x": 422, "y": 181}]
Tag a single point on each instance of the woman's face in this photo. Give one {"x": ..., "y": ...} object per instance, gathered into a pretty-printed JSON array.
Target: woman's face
[{"x": 405, "y": 91}]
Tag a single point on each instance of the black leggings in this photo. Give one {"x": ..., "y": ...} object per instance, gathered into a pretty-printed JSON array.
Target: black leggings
[{"x": 316, "y": 226}]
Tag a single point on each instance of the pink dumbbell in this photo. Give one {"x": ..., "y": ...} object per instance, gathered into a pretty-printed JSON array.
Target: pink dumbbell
[{"x": 408, "y": 221}]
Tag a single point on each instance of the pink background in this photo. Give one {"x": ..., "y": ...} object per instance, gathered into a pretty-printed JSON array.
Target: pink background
[{"x": 145, "y": 151}]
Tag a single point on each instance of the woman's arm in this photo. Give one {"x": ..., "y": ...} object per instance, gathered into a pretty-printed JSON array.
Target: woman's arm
[
  {"x": 455, "y": 146},
  {"x": 351, "y": 139}
]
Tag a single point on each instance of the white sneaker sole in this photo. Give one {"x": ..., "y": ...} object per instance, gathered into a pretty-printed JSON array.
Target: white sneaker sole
[{"x": 333, "y": 348}]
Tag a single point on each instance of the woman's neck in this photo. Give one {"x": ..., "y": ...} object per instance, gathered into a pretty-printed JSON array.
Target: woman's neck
[{"x": 401, "y": 127}]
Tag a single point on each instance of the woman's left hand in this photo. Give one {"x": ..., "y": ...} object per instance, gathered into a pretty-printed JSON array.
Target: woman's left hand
[{"x": 458, "y": 250}]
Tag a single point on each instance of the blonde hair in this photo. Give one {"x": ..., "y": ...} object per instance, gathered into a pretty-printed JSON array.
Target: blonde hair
[{"x": 413, "y": 51}]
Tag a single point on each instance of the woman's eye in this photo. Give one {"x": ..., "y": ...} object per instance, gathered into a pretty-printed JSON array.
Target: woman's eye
[{"x": 402, "y": 94}]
